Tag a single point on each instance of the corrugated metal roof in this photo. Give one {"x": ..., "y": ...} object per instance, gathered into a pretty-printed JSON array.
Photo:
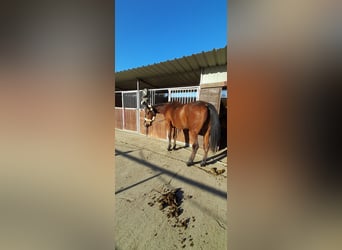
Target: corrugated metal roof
[{"x": 184, "y": 71}]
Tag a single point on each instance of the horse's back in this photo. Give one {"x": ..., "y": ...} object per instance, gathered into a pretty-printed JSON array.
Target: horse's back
[
  {"x": 188, "y": 116},
  {"x": 197, "y": 108}
]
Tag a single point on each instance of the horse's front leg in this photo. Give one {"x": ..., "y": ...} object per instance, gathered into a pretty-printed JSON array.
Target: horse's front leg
[
  {"x": 169, "y": 136},
  {"x": 174, "y": 138},
  {"x": 195, "y": 146}
]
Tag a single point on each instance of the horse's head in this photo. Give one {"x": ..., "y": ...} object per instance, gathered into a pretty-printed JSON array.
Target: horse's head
[{"x": 150, "y": 114}]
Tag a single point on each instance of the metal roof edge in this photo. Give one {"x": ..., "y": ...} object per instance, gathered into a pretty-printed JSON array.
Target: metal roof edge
[{"x": 215, "y": 50}]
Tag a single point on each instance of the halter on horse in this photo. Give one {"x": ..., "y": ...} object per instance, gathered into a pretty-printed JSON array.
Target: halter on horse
[{"x": 148, "y": 110}]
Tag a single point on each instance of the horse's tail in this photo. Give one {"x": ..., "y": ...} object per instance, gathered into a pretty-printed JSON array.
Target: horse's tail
[{"x": 215, "y": 127}]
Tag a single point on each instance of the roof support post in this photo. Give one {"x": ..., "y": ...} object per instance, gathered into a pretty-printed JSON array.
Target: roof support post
[
  {"x": 138, "y": 106},
  {"x": 123, "y": 109}
]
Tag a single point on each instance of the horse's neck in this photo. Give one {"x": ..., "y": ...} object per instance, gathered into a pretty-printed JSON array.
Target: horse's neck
[
  {"x": 163, "y": 107},
  {"x": 160, "y": 108}
]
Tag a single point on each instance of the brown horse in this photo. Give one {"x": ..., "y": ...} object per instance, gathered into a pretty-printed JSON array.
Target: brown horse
[{"x": 197, "y": 117}]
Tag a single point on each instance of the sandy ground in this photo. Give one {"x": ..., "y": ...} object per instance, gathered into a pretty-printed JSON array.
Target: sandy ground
[{"x": 143, "y": 170}]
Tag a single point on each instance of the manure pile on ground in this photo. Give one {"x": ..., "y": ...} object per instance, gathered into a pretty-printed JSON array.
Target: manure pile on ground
[
  {"x": 169, "y": 202},
  {"x": 215, "y": 171}
]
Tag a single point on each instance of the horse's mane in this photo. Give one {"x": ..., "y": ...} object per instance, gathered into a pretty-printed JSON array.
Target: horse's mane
[{"x": 161, "y": 107}]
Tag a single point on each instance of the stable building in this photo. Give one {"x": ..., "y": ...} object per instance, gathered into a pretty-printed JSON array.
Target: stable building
[{"x": 201, "y": 76}]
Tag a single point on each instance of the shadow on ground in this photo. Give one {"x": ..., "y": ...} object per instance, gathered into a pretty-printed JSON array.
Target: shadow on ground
[{"x": 155, "y": 167}]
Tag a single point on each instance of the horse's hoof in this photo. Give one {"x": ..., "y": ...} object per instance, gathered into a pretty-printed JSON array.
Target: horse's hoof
[
  {"x": 169, "y": 149},
  {"x": 189, "y": 163},
  {"x": 203, "y": 163}
]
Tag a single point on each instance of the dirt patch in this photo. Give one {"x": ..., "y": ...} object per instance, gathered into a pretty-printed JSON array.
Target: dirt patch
[{"x": 160, "y": 203}]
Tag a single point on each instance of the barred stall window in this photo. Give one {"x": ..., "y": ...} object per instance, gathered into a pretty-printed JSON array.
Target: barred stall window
[
  {"x": 157, "y": 96},
  {"x": 130, "y": 99}
]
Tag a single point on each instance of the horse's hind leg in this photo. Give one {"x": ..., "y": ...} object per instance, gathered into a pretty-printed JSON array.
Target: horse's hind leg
[
  {"x": 194, "y": 148},
  {"x": 206, "y": 148},
  {"x": 169, "y": 136}
]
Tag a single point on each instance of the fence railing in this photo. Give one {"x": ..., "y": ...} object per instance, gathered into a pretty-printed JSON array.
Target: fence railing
[
  {"x": 128, "y": 99},
  {"x": 184, "y": 95}
]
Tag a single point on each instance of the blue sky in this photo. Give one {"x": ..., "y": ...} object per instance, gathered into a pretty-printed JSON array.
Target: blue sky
[{"x": 152, "y": 31}]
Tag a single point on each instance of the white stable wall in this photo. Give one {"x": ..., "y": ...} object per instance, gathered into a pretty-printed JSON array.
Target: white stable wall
[{"x": 214, "y": 74}]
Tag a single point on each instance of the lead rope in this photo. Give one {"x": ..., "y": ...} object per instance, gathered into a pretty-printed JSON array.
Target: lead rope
[
  {"x": 153, "y": 119},
  {"x": 146, "y": 128}
]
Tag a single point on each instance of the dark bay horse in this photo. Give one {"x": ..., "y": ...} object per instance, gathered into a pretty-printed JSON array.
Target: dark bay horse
[{"x": 197, "y": 117}]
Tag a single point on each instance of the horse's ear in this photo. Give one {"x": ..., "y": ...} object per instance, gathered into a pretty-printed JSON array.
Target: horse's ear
[{"x": 144, "y": 103}]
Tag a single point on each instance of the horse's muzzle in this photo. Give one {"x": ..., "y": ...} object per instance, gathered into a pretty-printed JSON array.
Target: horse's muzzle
[{"x": 148, "y": 122}]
